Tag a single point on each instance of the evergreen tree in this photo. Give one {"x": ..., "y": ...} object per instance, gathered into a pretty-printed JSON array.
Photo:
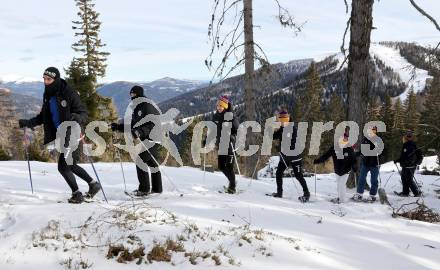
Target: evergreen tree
[
  {"x": 387, "y": 116},
  {"x": 430, "y": 116},
  {"x": 186, "y": 145},
  {"x": 83, "y": 72},
  {"x": 412, "y": 116},
  {"x": 310, "y": 108},
  {"x": 397, "y": 129},
  {"x": 87, "y": 29},
  {"x": 373, "y": 109},
  {"x": 335, "y": 109}
]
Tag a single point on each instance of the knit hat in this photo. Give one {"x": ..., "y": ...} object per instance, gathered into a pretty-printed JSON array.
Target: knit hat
[
  {"x": 52, "y": 72},
  {"x": 137, "y": 90},
  {"x": 223, "y": 102},
  {"x": 283, "y": 116}
]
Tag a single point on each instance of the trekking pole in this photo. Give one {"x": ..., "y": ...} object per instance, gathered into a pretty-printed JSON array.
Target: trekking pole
[
  {"x": 236, "y": 162},
  {"x": 287, "y": 167},
  {"x": 204, "y": 167},
  {"x": 27, "y": 142},
  {"x": 118, "y": 154},
  {"x": 158, "y": 166},
  {"x": 255, "y": 169},
  {"x": 94, "y": 170},
  {"x": 315, "y": 180}
]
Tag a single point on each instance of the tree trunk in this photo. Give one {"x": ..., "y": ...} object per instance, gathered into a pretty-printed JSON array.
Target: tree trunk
[
  {"x": 249, "y": 97},
  {"x": 358, "y": 59}
]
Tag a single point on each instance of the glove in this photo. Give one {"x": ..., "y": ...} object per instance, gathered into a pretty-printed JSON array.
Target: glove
[
  {"x": 75, "y": 117},
  {"x": 114, "y": 126},
  {"x": 138, "y": 133},
  {"x": 315, "y": 161},
  {"x": 24, "y": 123}
]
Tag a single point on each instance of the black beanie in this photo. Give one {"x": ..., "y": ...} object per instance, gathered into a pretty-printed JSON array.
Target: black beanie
[
  {"x": 52, "y": 72},
  {"x": 137, "y": 90}
]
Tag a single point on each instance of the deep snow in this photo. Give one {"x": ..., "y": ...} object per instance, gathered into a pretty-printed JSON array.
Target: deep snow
[{"x": 317, "y": 235}]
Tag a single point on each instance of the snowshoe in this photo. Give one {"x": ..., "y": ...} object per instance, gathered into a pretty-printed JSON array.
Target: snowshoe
[
  {"x": 228, "y": 190},
  {"x": 335, "y": 201},
  {"x": 304, "y": 198},
  {"x": 77, "y": 198},
  {"x": 357, "y": 197},
  {"x": 275, "y": 195},
  {"x": 137, "y": 193},
  {"x": 371, "y": 199},
  {"x": 401, "y": 194},
  {"x": 94, "y": 188}
]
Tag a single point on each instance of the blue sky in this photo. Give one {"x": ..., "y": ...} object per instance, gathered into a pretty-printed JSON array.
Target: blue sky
[{"x": 149, "y": 40}]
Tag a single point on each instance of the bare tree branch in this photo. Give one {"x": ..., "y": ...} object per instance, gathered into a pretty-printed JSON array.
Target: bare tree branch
[
  {"x": 287, "y": 20},
  {"x": 346, "y": 6},
  {"x": 424, "y": 13}
]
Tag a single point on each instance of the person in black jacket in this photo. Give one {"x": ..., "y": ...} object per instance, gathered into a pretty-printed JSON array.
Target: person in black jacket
[
  {"x": 294, "y": 161},
  {"x": 369, "y": 164},
  {"x": 142, "y": 132},
  {"x": 222, "y": 118},
  {"x": 61, "y": 103},
  {"x": 343, "y": 161},
  {"x": 410, "y": 157}
]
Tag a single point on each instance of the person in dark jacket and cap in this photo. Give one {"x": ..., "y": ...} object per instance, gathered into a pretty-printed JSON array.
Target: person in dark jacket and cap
[
  {"x": 223, "y": 117},
  {"x": 369, "y": 164},
  {"x": 289, "y": 161},
  {"x": 410, "y": 157},
  {"x": 61, "y": 103},
  {"x": 142, "y": 132},
  {"x": 344, "y": 161}
]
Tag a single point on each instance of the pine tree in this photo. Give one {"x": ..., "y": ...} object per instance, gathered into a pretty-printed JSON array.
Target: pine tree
[
  {"x": 310, "y": 109},
  {"x": 412, "y": 115},
  {"x": 83, "y": 72},
  {"x": 431, "y": 118},
  {"x": 87, "y": 28},
  {"x": 387, "y": 116},
  {"x": 373, "y": 109},
  {"x": 335, "y": 109},
  {"x": 398, "y": 129}
]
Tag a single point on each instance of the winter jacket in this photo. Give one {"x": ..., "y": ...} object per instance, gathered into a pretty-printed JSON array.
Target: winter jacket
[
  {"x": 70, "y": 108},
  {"x": 278, "y": 135},
  {"x": 219, "y": 118},
  {"x": 410, "y": 156},
  {"x": 143, "y": 109},
  {"x": 341, "y": 166},
  {"x": 374, "y": 160}
]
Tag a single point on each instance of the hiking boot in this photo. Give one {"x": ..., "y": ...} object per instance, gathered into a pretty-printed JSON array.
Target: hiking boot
[
  {"x": 230, "y": 190},
  {"x": 76, "y": 198},
  {"x": 357, "y": 197},
  {"x": 419, "y": 194},
  {"x": 277, "y": 195},
  {"x": 335, "y": 201},
  {"x": 139, "y": 193},
  {"x": 372, "y": 198},
  {"x": 401, "y": 194},
  {"x": 94, "y": 188},
  {"x": 305, "y": 198}
]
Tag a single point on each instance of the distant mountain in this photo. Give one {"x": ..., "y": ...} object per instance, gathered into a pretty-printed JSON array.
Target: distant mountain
[
  {"x": 28, "y": 88},
  {"x": 395, "y": 68},
  {"x": 267, "y": 82},
  {"x": 159, "y": 90}
]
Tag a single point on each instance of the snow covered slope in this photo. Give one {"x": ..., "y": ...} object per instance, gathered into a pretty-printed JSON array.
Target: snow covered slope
[
  {"x": 414, "y": 78},
  {"x": 244, "y": 231}
]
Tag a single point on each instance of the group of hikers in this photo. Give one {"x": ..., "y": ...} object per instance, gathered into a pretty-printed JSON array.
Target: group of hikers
[{"x": 61, "y": 103}]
